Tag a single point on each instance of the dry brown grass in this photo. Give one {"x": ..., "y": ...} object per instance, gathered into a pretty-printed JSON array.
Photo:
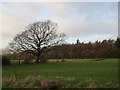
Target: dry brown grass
[{"x": 32, "y": 82}]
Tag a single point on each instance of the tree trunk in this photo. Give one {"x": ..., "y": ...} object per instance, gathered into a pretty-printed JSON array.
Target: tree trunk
[
  {"x": 19, "y": 61},
  {"x": 38, "y": 57}
]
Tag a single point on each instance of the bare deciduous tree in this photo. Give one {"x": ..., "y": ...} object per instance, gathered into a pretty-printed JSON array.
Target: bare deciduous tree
[{"x": 36, "y": 38}]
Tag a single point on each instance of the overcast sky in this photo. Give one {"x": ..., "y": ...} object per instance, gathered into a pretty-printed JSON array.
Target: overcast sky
[{"x": 87, "y": 21}]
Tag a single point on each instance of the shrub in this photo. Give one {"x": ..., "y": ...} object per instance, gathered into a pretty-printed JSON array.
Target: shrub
[
  {"x": 27, "y": 61},
  {"x": 43, "y": 59},
  {"x": 5, "y": 60},
  {"x": 27, "y": 57},
  {"x": 63, "y": 60}
]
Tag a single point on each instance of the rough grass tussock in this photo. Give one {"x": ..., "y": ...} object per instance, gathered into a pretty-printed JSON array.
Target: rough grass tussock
[{"x": 32, "y": 82}]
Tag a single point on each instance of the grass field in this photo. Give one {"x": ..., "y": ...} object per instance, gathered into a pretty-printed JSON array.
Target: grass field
[{"x": 75, "y": 73}]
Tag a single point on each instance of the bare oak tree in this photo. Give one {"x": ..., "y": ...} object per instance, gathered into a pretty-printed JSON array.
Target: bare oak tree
[{"x": 36, "y": 38}]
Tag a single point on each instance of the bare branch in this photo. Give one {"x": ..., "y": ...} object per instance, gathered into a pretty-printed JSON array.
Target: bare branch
[{"x": 37, "y": 37}]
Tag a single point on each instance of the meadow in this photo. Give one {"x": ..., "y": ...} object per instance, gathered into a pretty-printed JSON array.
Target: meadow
[{"x": 75, "y": 73}]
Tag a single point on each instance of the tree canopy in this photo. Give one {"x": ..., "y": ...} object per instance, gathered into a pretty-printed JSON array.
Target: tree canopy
[{"x": 36, "y": 38}]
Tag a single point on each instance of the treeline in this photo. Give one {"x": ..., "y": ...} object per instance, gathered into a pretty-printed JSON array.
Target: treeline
[
  {"x": 98, "y": 49},
  {"x": 80, "y": 50}
]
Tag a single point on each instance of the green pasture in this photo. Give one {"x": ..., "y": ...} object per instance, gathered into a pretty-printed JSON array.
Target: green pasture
[{"x": 75, "y": 72}]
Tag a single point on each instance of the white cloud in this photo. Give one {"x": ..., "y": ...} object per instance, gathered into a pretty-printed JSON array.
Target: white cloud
[
  {"x": 86, "y": 27},
  {"x": 87, "y": 21}
]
